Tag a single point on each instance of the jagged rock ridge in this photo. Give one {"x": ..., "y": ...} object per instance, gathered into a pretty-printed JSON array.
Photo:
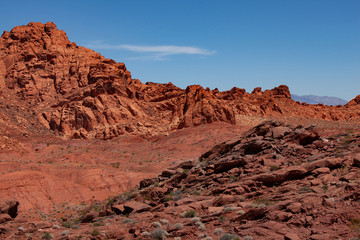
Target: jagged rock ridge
[{"x": 81, "y": 94}]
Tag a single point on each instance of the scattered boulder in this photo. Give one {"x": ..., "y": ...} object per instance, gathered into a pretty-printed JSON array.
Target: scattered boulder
[
  {"x": 294, "y": 207},
  {"x": 168, "y": 173},
  {"x": 253, "y": 214},
  {"x": 322, "y": 170},
  {"x": 186, "y": 164},
  {"x": 291, "y": 236},
  {"x": 131, "y": 206},
  {"x": 307, "y": 137},
  {"x": 255, "y": 147},
  {"x": 9, "y": 207},
  {"x": 357, "y": 160},
  {"x": 224, "y": 200},
  {"x": 282, "y": 175},
  {"x": 147, "y": 182},
  {"x": 228, "y": 163},
  {"x": 280, "y": 132},
  {"x": 89, "y": 217},
  {"x": 4, "y": 218}
]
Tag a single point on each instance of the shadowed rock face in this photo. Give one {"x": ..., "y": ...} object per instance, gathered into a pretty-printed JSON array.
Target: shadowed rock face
[
  {"x": 9, "y": 207},
  {"x": 81, "y": 94}
]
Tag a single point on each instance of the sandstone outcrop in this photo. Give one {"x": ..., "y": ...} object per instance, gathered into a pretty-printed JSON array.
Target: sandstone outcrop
[
  {"x": 355, "y": 101},
  {"x": 78, "y": 93}
]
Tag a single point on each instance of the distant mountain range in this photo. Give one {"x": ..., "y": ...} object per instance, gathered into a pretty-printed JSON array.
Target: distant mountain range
[{"x": 312, "y": 99}]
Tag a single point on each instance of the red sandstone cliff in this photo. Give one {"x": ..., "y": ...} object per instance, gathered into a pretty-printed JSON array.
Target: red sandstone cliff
[{"x": 81, "y": 94}]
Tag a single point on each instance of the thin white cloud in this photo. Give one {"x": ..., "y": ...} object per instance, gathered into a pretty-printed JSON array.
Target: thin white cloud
[
  {"x": 168, "y": 50},
  {"x": 157, "y": 52}
]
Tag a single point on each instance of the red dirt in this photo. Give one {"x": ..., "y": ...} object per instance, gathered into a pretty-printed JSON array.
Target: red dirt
[{"x": 50, "y": 171}]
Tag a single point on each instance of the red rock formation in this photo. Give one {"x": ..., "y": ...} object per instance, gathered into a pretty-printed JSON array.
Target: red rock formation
[
  {"x": 233, "y": 188},
  {"x": 201, "y": 106},
  {"x": 281, "y": 91},
  {"x": 81, "y": 94},
  {"x": 355, "y": 101}
]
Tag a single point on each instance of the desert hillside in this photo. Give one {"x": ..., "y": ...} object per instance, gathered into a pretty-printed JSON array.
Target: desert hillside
[{"x": 88, "y": 152}]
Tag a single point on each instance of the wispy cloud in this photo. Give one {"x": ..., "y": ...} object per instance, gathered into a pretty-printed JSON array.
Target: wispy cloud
[{"x": 155, "y": 52}]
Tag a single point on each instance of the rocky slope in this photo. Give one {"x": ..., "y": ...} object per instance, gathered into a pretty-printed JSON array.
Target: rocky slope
[
  {"x": 46, "y": 79},
  {"x": 276, "y": 181}
]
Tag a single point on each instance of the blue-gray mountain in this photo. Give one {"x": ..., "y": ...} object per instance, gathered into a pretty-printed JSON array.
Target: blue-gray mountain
[{"x": 312, "y": 99}]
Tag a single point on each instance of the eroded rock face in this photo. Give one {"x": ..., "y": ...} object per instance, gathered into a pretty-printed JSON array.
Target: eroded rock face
[
  {"x": 79, "y": 93},
  {"x": 84, "y": 95},
  {"x": 201, "y": 106},
  {"x": 355, "y": 101}
]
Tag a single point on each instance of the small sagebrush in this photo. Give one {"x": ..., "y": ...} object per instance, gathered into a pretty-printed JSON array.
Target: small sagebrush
[
  {"x": 159, "y": 233},
  {"x": 188, "y": 214},
  {"x": 229, "y": 236}
]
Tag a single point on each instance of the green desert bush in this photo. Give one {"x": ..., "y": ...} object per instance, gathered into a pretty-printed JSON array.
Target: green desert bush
[{"x": 188, "y": 214}]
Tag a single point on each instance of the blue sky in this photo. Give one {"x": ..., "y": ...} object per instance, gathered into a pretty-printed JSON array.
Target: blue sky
[{"x": 313, "y": 46}]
